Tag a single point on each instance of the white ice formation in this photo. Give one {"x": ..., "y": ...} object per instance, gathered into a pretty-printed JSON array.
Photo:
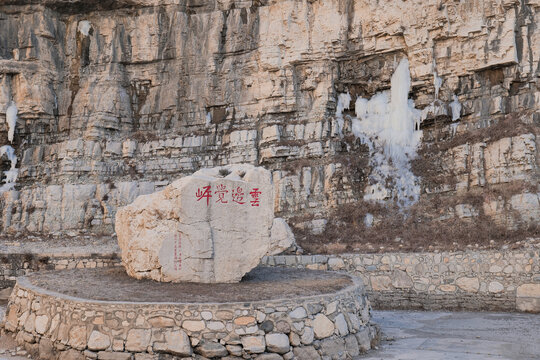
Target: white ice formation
[
  {"x": 12, "y": 173},
  {"x": 84, "y": 27},
  {"x": 344, "y": 102},
  {"x": 388, "y": 124},
  {"x": 456, "y": 108},
  {"x": 11, "y": 119}
]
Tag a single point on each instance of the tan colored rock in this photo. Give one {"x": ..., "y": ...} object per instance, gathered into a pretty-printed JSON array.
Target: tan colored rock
[
  {"x": 98, "y": 341},
  {"x": 212, "y": 226},
  {"x": 245, "y": 320},
  {"x": 193, "y": 325},
  {"x": 41, "y": 324},
  {"x": 468, "y": 284},
  {"x": 495, "y": 287},
  {"x": 176, "y": 343},
  {"x": 528, "y": 298},
  {"x": 138, "y": 339},
  {"x": 254, "y": 344},
  {"x": 322, "y": 326},
  {"x": 528, "y": 290},
  {"x": 77, "y": 337},
  {"x": 381, "y": 282}
]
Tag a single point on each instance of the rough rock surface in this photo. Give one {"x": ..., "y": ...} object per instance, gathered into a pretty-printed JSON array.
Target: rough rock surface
[
  {"x": 212, "y": 226},
  {"x": 117, "y": 98}
]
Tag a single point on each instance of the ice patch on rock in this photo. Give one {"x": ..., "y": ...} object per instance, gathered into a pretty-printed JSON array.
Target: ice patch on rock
[
  {"x": 344, "y": 102},
  {"x": 368, "y": 220},
  {"x": 11, "y": 119},
  {"x": 389, "y": 125},
  {"x": 84, "y": 27},
  {"x": 456, "y": 108},
  {"x": 12, "y": 173}
]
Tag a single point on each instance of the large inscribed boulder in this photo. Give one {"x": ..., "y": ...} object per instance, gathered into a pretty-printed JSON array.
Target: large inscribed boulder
[{"x": 212, "y": 226}]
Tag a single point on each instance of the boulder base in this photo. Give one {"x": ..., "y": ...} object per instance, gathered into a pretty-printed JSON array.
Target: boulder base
[{"x": 212, "y": 226}]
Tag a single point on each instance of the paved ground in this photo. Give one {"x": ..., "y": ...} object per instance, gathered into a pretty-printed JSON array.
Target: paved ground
[
  {"x": 457, "y": 335},
  {"x": 432, "y": 336}
]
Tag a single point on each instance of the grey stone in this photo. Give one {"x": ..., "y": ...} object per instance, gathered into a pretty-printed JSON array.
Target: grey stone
[
  {"x": 235, "y": 350},
  {"x": 298, "y": 313},
  {"x": 333, "y": 347},
  {"x": 267, "y": 326},
  {"x": 308, "y": 336},
  {"x": 314, "y": 308},
  {"x": 363, "y": 338},
  {"x": 278, "y": 343},
  {"x": 176, "y": 342},
  {"x": 341, "y": 324},
  {"x": 107, "y": 355},
  {"x": 283, "y": 327},
  {"x": 269, "y": 357},
  {"x": 351, "y": 344},
  {"x": 211, "y": 349},
  {"x": 306, "y": 353}
]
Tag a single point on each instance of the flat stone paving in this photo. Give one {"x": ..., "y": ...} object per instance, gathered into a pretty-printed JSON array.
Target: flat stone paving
[
  {"x": 263, "y": 283},
  {"x": 457, "y": 335}
]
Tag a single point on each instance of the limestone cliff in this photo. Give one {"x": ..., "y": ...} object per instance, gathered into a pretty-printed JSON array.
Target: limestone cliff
[{"x": 116, "y": 98}]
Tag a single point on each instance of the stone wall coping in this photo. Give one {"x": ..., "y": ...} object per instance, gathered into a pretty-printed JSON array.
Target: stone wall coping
[{"x": 25, "y": 284}]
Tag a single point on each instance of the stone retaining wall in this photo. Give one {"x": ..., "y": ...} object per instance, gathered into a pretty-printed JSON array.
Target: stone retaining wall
[
  {"x": 55, "y": 326},
  {"x": 503, "y": 280}
]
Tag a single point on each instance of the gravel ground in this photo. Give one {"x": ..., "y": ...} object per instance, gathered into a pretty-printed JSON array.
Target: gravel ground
[{"x": 113, "y": 284}]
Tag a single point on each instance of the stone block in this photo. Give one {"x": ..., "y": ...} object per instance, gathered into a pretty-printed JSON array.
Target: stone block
[
  {"x": 278, "y": 343},
  {"x": 528, "y": 298},
  {"x": 212, "y": 226},
  {"x": 254, "y": 344},
  {"x": 322, "y": 326},
  {"x": 211, "y": 349},
  {"x": 138, "y": 340}
]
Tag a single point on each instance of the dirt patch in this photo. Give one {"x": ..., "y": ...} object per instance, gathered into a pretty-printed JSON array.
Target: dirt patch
[
  {"x": 262, "y": 283},
  {"x": 427, "y": 226}
]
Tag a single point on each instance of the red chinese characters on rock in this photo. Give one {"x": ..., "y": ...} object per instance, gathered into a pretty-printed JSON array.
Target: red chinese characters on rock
[
  {"x": 204, "y": 194},
  {"x": 221, "y": 192},
  {"x": 177, "y": 252},
  {"x": 237, "y": 195},
  {"x": 255, "y": 201}
]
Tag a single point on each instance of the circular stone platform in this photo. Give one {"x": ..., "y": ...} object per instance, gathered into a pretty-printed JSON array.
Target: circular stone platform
[{"x": 274, "y": 313}]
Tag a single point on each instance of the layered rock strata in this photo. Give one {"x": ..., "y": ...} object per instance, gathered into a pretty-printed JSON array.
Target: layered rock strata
[{"x": 117, "y": 99}]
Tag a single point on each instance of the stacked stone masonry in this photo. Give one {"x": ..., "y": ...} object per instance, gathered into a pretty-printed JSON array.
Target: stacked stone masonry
[
  {"x": 53, "y": 326},
  {"x": 474, "y": 280},
  {"x": 118, "y": 98},
  {"x": 504, "y": 280}
]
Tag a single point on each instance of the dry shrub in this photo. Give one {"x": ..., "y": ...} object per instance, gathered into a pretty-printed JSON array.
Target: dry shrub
[{"x": 422, "y": 227}]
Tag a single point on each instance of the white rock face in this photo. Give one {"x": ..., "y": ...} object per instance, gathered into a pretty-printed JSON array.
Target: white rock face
[{"x": 212, "y": 226}]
